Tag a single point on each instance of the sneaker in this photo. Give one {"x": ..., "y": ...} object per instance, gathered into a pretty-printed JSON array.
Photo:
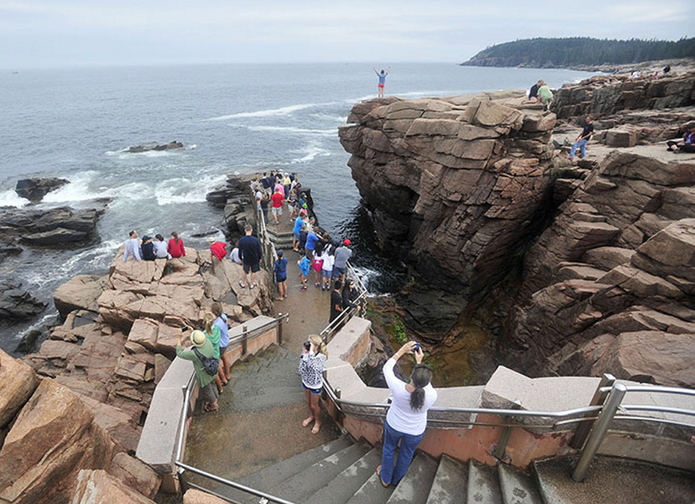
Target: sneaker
[{"x": 303, "y": 287}]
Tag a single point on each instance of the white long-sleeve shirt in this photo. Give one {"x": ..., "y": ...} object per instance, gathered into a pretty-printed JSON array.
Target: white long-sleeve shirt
[{"x": 400, "y": 416}]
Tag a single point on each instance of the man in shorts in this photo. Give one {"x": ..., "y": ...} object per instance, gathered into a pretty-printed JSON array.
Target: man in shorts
[
  {"x": 250, "y": 252},
  {"x": 342, "y": 254},
  {"x": 278, "y": 198}
]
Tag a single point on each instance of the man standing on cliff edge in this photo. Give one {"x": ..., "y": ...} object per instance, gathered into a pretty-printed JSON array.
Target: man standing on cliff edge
[{"x": 250, "y": 252}]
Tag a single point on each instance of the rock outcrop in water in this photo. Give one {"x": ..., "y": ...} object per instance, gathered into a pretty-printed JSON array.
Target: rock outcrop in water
[
  {"x": 173, "y": 145},
  {"x": 604, "y": 248},
  {"x": 454, "y": 182},
  {"x": 34, "y": 189}
]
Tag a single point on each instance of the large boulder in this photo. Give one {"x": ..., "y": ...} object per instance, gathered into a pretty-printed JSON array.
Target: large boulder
[
  {"x": 34, "y": 189},
  {"x": 52, "y": 228},
  {"x": 18, "y": 304},
  {"x": 17, "y": 383},
  {"x": 52, "y": 439},
  {"x": 100, "y": 487},
  {"x": 81, "y": 292}
]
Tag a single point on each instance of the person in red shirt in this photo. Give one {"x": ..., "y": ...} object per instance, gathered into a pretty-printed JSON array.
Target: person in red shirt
[
  {"x": 218, "y": 249},
  {"x": 278, "y": 198},
  {"x": 176, "y": 248}
]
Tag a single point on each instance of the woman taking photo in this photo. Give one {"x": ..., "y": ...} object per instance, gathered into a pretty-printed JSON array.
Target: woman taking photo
[
  {"x": 311, "y": 365},
  {"x": 406, "y": 419}
]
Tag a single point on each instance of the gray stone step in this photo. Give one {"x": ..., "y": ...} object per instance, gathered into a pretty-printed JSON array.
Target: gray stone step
[
  {"x": 415, "y": 486},
  {"x": 344, "y": 486},
  {"x": 371, "y": 492},
  {"x": 312, "y": 478},
  {"x": 266, "y": 478},
  {"x": 483, "y": 484},
  {"x": 450, "y": 483},
  {"x": 517, "y": 487}
]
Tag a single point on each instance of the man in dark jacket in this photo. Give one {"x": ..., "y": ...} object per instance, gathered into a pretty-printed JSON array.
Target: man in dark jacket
[{"x": 251, "y": 254}]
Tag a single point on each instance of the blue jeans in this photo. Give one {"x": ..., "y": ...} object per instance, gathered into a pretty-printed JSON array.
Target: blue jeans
[
  {"x": 408, "y": 444},
  {"x": 580, "y": 143}
]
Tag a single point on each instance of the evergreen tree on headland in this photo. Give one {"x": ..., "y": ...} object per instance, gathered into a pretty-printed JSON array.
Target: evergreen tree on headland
[{"x": 580, "y": 51}]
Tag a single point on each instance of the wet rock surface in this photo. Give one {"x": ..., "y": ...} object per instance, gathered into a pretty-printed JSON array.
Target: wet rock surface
[{"x": 34, "y": 189}]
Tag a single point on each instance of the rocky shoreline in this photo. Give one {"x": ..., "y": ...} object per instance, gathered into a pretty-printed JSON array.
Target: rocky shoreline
[{"x": 588, "y": 263}]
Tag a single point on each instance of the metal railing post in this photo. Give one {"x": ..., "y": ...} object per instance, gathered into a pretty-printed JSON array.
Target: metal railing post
[
  {"x": 278, "y": 331},
  {"x": 582, "y": 432},
  {"x": 244, "y": 339},
  {"x": 599, "y": 431},
  {"x": 504, "y": 439}
]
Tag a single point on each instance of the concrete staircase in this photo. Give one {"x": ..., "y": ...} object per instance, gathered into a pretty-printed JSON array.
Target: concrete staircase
[
  {"x": 281, "y": 235},
  {"x": 342, "y": 472}
]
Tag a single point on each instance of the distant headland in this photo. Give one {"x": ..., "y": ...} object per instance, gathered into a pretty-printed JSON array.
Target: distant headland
[{"x": 581, "y": 53}]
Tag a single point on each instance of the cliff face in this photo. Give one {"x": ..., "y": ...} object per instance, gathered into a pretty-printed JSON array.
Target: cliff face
[
  {"x": 465, "y": 188},
  {"x": 454, "y": 182}
]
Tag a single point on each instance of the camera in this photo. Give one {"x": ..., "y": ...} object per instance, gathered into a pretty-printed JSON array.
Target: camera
[
  {"x": 307, "y": 346},
  {"x": 185, "y": 328},
  {"x": 416, "y": 347}
]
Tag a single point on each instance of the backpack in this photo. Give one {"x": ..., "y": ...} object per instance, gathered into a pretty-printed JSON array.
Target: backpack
[{"x": 209, "y": 363}]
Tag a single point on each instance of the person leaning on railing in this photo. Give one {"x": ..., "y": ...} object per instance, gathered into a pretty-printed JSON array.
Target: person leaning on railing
[{"x": 406, "y": 419}]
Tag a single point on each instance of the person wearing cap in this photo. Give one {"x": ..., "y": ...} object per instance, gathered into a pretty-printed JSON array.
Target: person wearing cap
[
  {"x": 342, "y": 255},
  {"x": 206, "y": 382},
  {"x": 148, "y": 253}
]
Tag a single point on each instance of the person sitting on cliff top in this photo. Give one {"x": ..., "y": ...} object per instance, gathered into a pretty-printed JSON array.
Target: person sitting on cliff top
[
  {"x": 687, "y": 144},
  {"x": 583, "y": 138},
  {"x": 132, "y": 246},
  {"x": 148, "y": 253},
  {"x": 533, "y": 92}
]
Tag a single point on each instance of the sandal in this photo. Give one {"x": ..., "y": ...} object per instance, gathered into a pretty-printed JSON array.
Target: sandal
[
  {"x": 208, "y": 408},
  {"x": 307, "y": 421},
  {"x": 378, "y": 473},
  {"x": 242, "y": 284},
  {"x": 316, "y": 429},
  {"x": 254, "y": 284}
]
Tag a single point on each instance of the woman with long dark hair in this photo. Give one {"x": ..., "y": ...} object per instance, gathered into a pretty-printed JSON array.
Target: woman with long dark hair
[{"x": 406, "y": 419}]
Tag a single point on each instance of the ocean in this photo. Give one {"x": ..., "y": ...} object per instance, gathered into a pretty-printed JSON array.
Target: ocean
[{"x": 78, "y": 123}]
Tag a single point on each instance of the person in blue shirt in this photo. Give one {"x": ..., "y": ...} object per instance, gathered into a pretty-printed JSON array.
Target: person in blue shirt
[
  {"x": 382, "y": 80},
  {"x": 280, "y": 270},
  {"x": 304, "y": 266},
  {"x": 299, "y": 223}
]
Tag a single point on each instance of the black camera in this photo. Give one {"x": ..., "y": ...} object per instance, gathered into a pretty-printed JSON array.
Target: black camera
[
  {"x": 416, "y": 347},
  {"x": 185, "y": 328},
  {"x": 307, "y": 346}
]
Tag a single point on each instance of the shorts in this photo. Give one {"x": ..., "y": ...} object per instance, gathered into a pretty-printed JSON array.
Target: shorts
[
  {"x": 314, "y": 391},
  {"x": 281, "y": 279},
  {"x": 317, "y": 266},
  {"x": 277, "y": 210},
  {"x": 223, "y": 349},
  {"x": 326, "y": 273},
  {"x": 338, "y": 271},
  {"x": 381, "y": 85},
  {"x": 296, "y": 236},
  {"x": 252, "y": 267},
  {"x": 209, "y": 392}
]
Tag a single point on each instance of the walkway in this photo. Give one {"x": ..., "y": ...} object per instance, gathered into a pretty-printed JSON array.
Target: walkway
[{"x": 261, "y": 410}]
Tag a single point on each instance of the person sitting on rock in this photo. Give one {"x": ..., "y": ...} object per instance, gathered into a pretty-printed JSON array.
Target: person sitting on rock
[
  {"x": 687, "y": 144},
  {"x": 533, "y": 92},
  {"x": 161, "y": 249},
  {"x": 176, "y": 248},
  {"x": 132, "y": 246},
  {"x": 583, "y": 138},
  {"x": 545, "y": 95},
  {"x": 234, "y": 255},
  {"x": 148, "y": 253}
]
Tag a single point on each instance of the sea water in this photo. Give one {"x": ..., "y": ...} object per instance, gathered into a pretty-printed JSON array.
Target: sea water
[{"x": 78, "y": 123}]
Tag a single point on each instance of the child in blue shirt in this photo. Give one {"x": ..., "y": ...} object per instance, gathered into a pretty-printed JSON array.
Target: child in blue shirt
[
  {"x": 304, "y": 266},
  {"x": 280, "y": 270}
]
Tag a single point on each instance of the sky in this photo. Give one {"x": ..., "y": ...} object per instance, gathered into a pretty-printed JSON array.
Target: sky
[{"x": 64, "y": 33}]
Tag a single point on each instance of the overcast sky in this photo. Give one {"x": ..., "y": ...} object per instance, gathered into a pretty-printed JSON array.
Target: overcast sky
[{"x": 56, "y": 33}]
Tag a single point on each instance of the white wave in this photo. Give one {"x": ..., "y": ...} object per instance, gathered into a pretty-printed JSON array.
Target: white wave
[
  {"x": 291, "y": 129},
  {"x": 283, "y": 111},
  {"x": 185, "y": 190},
  {"x": 77, "y": 190},
  {"x": 311, "y": 152},
  {"x": 331, "y": 118},
  {"x": 11, "y": 198},
  {"x": 366, "y": 275}
]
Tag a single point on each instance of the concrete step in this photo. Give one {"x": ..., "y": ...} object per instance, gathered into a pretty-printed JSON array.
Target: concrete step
[
  {"x": 371, "y": 492},
  {"x": 347, "y": 483},
  {"x": 517, "y": 487},
  {"x": 312, "y": 478},
  {"x": 267, "y": 478},
  {"x": 415, "y": 486},
  {"x": 483, "y": 484},
  {"x": 450, "y": 483},
  {"x": 613, "y": 480}
]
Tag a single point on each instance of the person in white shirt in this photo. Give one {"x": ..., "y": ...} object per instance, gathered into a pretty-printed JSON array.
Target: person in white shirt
[
  {"x": 132, "y": 246},
  {"x": 406, "y": 419}
]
